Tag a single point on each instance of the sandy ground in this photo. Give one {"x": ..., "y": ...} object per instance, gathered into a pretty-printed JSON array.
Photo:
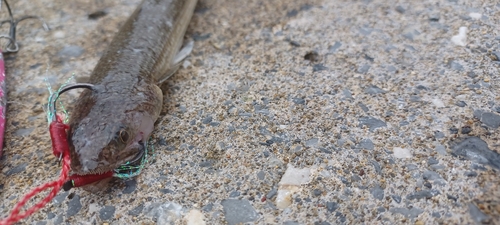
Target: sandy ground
[{"x": 391, "y": 120}]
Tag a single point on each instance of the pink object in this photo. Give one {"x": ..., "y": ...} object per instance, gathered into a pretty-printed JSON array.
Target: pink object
[{"x": 3, "y": 101}]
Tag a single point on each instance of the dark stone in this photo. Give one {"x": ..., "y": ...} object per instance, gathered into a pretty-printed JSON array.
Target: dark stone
[
  {"x": 454, "y": 65},
  {"x": 363, "y": 69},
  {"x": 371, "y": 123},
  {"x": 334, "y": 47},
  {"x": 410, "y": 35},
  {"x": 374, "y": 90},
  {"x": 411, "y": 166},
  {"x": 200, "y": 37},
  {"x": 376, "y": 166},
  {"x": 491, "y": 119},
  {"x": 166, "y": 191},
  {"x": 107, "y": 212},
  {"x": 407, "y": 212},
  {"x": 272, "y": 193},
  {"x": 422, "y": 87},
  {"x": 17, "y": 169},
  {"x": 238, "y": 211},
  {"x": 477, "y": 215},
  {"x": 207, "y": 163},
  {"x": 60, "y": 198},
  {"x": 317, "y": 192},
  {"x": 377, "y": 192},
  {"x": 292, "y": 13},
  {"x": 58, "y": 220},
  {"x": 471, "y": 74},
  {"x": 454, "y": 130},
  {"x": 71, "y": 51},
  {"x": 478, "y": 167},
  {"x": 137, "y": 210},
  {"x": 130, "y": 186},
  {"x": 431, "y": 175},
  {"x": 50, "y": 215},
  {"x": 74, "y": 206},
  {"x": 347, "y": 94},
  {"x": 476, "y": 150},
  {"x": 332, "y": 206},
  {"x": 365, "y": 30},
  {"x": 366, "y": 144},
  {"x": 423, "y": 194},
  {"x": 461, "y": 104},
  {"x": 451, "y": 197},
  {"x": 400, "y": 9},
  {"x": 319, "y": 67},
  {"x": 162, "y": 141},
  {"x": 299, "y": 101},
  {"x": 207, "y": 120},
  {"x": 261, "y": 175},
  {"x": 396, "y": 198},
  {"x": 432, "y": 161},
  {"x": 439, "y": 135},
  {"x": 208, "y": 207},
  {"x": 471, "y": 173},
  {"x": 434, "y": 18},
  {"x": 363, "y": 107},
  {"x": 466, "y": 130},
  {"x": 495, "y": 56},
  {"x": 294, "y": 43}
]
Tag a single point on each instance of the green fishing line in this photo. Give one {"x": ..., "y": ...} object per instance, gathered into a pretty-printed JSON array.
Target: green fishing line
[
  {"x": 129, "y": 170},
  {"x": 52, "y": 95}
]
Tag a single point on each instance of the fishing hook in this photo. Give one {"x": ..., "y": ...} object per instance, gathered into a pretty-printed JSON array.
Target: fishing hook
[
  {"x": 13, "y": 46},
  {"x": 53, "y": 99}
]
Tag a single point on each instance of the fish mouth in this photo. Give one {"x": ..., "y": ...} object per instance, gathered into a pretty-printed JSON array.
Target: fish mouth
[
  {"x": 132, "y": 167},
  {"x": 125, "y": 166}
]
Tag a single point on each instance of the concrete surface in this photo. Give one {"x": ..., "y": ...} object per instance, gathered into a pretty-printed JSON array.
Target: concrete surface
[{"x": 394, "y": 120}]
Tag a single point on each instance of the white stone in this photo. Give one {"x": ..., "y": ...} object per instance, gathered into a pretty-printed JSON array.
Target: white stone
[
  {"x": 438, "y": 103},
  {"x": 294, "y": 176},
  {"x": 290, "y": 184},
  {"x": 59, "y": 34},
  {"x": 195, "y": 217},
  {"x": 402, "y": 153},
  {"x": 461, "y": 38},
  {"x": 284, "y": 196},
  {"x": 476, "y": 16}
]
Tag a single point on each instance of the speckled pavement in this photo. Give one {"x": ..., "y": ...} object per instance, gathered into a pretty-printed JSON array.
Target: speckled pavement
[{"x": 392, "y": 120}]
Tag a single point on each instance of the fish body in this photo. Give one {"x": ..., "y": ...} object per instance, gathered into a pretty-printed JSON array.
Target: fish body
[{"x": 111, "y": 123}]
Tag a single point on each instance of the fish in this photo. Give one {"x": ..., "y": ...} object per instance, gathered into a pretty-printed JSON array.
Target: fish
[{"x": 111, "y": 123}]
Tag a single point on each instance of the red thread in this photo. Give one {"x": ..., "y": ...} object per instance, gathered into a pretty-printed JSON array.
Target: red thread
[
  {"x": 58, "y": 133},
  {"x": 79, "y": 180},
  {"x": 59, "y": 146}
]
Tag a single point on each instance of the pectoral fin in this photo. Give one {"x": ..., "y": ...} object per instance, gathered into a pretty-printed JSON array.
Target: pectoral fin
[{"x": 177, "y": 61}]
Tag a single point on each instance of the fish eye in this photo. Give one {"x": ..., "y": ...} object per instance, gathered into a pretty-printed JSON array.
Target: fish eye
[{"x": 124, "y": 136}]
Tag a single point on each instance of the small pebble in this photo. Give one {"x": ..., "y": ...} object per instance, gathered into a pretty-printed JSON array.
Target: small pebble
[{"x": 238, "y": 211}]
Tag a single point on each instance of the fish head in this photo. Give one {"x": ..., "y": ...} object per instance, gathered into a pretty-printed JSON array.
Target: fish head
[{"x": 99, "y": 144}]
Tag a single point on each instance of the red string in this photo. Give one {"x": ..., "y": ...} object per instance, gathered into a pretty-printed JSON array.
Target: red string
[{"x": 59, "y": 141}]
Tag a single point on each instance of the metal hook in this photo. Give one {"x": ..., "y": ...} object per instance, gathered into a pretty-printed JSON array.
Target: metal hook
[
  {"x": 13, "y": 46},
  {"x": 53, "y": 100}
]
